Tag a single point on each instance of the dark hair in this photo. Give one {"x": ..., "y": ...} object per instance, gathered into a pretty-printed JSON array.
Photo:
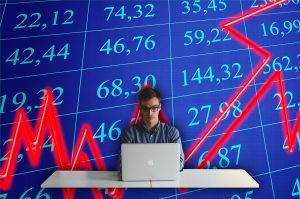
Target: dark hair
[{"x": 147, "y": 93}]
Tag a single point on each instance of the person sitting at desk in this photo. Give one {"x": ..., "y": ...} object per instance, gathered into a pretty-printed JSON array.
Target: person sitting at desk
[{"x": 150, "y": 129}]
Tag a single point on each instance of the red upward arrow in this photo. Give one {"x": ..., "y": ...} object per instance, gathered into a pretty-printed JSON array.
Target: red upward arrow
[{"x": 275, "y": 78}]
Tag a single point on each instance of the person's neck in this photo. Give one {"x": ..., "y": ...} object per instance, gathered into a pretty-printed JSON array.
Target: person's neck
[{"x": 150, "y": 126}]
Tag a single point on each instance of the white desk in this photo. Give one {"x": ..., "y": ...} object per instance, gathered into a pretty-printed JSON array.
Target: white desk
[{"x": 189, "y": 178}]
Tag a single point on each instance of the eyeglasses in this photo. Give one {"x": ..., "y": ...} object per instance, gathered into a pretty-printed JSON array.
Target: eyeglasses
[{"x": 152, "y": 108}]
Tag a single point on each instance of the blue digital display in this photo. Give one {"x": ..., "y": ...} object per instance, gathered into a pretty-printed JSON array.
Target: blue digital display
[{"x": 96, "y": 55}]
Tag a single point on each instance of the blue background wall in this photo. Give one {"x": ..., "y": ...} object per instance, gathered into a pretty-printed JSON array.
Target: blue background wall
[{"x": 96, "y": 55}]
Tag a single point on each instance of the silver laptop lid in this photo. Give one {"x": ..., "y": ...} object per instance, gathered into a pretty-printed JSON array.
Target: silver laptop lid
[{"x": 159, "y": 161}]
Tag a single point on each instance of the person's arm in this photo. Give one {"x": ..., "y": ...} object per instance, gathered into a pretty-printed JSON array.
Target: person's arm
[
  {"x": 126, "y": 138},
  {"x": 175, "y": 138}
]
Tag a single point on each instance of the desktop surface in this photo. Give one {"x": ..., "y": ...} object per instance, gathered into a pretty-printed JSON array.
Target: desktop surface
[{"x": 189, "y": 178}]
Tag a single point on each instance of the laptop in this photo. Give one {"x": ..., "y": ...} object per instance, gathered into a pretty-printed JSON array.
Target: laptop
[{"x": 145, "y": 162}]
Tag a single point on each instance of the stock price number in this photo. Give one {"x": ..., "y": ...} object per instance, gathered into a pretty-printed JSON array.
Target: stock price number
[
  {"x": 223, "y": 156},
  {"x": 20, "y": 98},
  {"x": 285, "y": 144},
  {"x": 248, "y": 195},
  {"x": 281, "y": 29},
  {"x": 289, "y": 96},
  {"x": 47, "y": 144},
  {"x": 282, "y": 63},
  {"x": 296, "y": 189},
  {"x": 112, "y": 131},
  {"x": 197, "y": 6},
  {"x": 205, "y": 37},
  {"x": 206, "y": 109},
  {"x": 126, "y": 46},
  {"x": 229, "y": 72},
  {"x": 116, "y": 88},
  {"x": 126, "y": 13},
  {"x": 256, "y": 3},
  {"x": 35, "y": 21},
  {"x": 27, "y": 56}
]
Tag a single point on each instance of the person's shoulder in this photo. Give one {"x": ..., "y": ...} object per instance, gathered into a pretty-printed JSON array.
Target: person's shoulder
[
  {"x": 129, "y": 128},
  {"x": 169, "y": 127},
  {"x": 132, "y": 127},
  {"x": 128, "y": 134},
  {"x": 172, "y": 132}
]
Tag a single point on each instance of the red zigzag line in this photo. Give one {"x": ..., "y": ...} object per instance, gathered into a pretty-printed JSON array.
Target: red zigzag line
[
  {"x": 33, "y": 140},
  {"x": 276, "y": 77},
  {"x": 49, "y": 122}
]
